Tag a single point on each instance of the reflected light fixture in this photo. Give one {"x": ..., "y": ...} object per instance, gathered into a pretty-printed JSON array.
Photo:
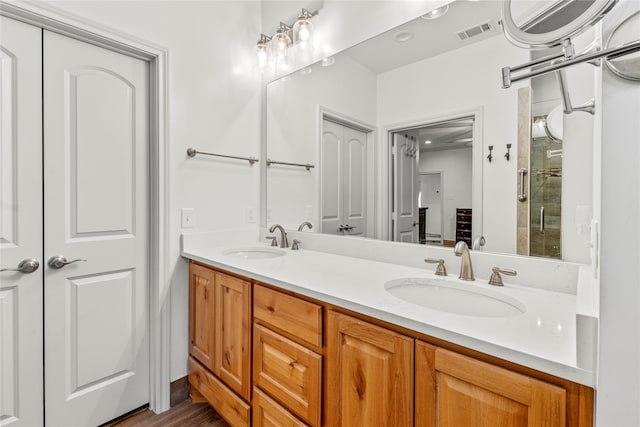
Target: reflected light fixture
[
  {"x": 436, "y": 13},
  {"x": 276, "y": 49},
  {"x": 427, "y": 142}
]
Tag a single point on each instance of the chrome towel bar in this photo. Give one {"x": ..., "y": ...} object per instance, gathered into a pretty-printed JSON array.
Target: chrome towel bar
[
  {"x": 191, "y": 152},
  {"x": 307, "y": 166}
]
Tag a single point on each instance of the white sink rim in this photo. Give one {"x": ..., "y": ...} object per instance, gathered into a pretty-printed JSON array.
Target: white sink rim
[
  {"x": 254, "y": 253},
  {"x": 480, "y": 301}
]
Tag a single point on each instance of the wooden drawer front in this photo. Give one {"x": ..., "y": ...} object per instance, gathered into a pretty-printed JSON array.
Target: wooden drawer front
[
  {"x": 224, "y": 401},
  {"x": 292, "y": 374},
  {"x": 301, "y": 319},
  {"x": 268, "y": 413}
]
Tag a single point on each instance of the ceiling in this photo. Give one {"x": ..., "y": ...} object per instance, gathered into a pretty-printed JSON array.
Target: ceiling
[
  {"x": 449, "y": 135},
  {"x": 430, "y": 37}
]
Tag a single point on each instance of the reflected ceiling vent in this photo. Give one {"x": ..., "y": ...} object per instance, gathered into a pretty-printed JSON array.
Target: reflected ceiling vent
[{"x": 475, "y": 31}]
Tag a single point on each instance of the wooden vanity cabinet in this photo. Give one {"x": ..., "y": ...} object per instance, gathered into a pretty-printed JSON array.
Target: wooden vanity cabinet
[
  {"x": 374, "y": 374},
  {"x": 220, "y": 339},
  {"x": 370, "y": 374},
  {"x": 287, "y": 364}
]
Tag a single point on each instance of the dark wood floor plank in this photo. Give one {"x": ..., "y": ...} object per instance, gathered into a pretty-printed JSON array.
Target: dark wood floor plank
[{"x": 185, "y": 414}]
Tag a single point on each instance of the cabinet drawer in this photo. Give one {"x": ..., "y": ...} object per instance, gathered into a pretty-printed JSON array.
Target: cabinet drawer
[
  {"x": 268, "y": 413},
  {"x": 301, "y": 319},
  {"x": 233, "y": 409},
  {"x": 290, "y": 373}
]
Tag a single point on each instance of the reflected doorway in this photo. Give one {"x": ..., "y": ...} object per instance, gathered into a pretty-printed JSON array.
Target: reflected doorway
[{"x": 432, "y": 168}]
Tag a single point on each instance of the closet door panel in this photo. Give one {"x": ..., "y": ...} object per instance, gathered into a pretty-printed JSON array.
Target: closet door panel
[
  {"x": 96, "y": 209},
  {"x": 20, "y": 224}
]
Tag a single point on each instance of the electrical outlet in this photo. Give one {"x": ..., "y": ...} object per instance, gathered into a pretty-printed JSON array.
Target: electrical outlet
[
  {"x": 188, "y": 217},
  {"x": 308, "y": 212},
  {"x": 251, "y": 215},
  {"x": 268, "y": 214}
]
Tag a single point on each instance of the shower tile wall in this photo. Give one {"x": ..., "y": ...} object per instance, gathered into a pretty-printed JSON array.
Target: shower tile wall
[{"x": 546, "y": 190}]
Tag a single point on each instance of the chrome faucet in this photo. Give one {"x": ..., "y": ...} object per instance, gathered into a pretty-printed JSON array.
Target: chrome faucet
[
  {"x": 307, "y": 224},
  {"x": 284, "y": 243},
  {"x": 466, "y": 269}
]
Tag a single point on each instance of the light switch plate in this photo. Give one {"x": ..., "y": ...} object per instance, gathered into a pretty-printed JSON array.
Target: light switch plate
[
  {"x": 188, "y": 217},
  {"x": 251, "y": 215}
]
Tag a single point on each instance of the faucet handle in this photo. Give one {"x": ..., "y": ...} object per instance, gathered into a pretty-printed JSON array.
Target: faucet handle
[
  {"x": 295, "y": 245},
  {"x": 440, "y": 269},
  {"x": 496, "y": 278},
  {"x": 274, "y": 241}
]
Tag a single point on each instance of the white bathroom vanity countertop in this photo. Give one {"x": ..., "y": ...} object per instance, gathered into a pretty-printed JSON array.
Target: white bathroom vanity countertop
[{"x": 544, "y": 337}]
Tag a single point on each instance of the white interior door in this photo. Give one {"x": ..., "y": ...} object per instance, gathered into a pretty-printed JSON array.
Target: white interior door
[
  {"x": 96, "y": 129},
  {"x": 343, "y": 160},
  {"x": 20, "y": 224},
  {"x": 331, "y": 181},
  {"x": 355, "y": 173},
  {"x": 406, "y": 190}
]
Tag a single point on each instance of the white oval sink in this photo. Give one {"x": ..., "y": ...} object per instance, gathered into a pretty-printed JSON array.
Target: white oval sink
[
  {"x": 465, "y": 299},
  {"x": 255, "y": 253}
]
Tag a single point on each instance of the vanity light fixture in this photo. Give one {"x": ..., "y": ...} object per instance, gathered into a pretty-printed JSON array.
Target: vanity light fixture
[
  {"x": 275, "y": 49},
  {"x": 262, "y": 49},
  {"x": 280, "y": 44},
  {"x": 303, "y": 30},
  {"x": 427, "y": 142},
  {"x": 436, "y": 13}
]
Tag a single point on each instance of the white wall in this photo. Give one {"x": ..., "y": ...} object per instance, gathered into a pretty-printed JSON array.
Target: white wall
[
  {"x": 214, "y": 96},
  {"x": 292, "y": 131},
  {"x": 460, "y": 81},
  {"x": 455, "y": 166},
  {"x": 618, "y": 390}
]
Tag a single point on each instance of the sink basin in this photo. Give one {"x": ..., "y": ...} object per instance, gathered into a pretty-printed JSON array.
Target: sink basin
[
  {"x": 451, "y": 297},
  {"x": 255, "y": 253}
]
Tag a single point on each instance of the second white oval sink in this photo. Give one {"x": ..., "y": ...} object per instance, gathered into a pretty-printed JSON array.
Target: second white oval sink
[
  {"x": 255, "y": 253},
  {"x": 465, "y": 299}
]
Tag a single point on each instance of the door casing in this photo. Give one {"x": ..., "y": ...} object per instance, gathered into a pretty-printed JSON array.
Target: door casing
[{"x": 48, "y": 17}]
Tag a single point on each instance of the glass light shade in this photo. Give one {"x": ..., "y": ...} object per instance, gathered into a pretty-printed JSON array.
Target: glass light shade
[
  {"x": 303, "y": 33},
  {"x": 280, "y": 44},
  {"x": 263, "y": 54}
]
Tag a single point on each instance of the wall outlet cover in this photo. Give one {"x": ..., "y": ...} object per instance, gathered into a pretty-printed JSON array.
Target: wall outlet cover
[{"x": 188, "y": 217}]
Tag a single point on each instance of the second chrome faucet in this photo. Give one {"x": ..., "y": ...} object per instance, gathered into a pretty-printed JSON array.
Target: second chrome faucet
[
  {"x": 466, "y": 268},
  {"x": 284, "y": 242}
]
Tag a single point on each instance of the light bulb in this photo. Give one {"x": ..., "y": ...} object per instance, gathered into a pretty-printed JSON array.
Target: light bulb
[{"x": 262, "y": 49}]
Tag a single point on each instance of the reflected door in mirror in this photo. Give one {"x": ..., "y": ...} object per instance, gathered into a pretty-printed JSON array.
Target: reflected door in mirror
[
  {"x": 343, "y": 179},
  {"x": 405, "y": 161}
]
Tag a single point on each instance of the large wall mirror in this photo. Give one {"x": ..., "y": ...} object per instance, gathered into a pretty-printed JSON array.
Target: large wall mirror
[{"x": 409, "y": 137}]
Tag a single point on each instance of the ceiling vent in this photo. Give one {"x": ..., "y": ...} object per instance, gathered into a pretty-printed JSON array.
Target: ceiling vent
[{"x": 475, "y": 31}]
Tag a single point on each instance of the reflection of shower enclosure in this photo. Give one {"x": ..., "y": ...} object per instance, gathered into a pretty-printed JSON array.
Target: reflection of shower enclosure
[{"x": 545, "y": 194}]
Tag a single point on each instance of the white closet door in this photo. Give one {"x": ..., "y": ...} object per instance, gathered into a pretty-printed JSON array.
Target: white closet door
[
  {"x": 355, "y": 177},
  {"x": 331, "y": 199},
  {"x": 96, "y": 129},
  {"x": 20, "y": 224},
  {"x": 406, "y": 191}
]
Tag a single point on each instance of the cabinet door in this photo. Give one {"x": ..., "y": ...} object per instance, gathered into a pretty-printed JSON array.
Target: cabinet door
[
  {"x": 370, "y": 374},
  {"x": 468, "y": 392},
  {"x": 201, "y": 314},
  {"x": 233, "y": 332}
]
